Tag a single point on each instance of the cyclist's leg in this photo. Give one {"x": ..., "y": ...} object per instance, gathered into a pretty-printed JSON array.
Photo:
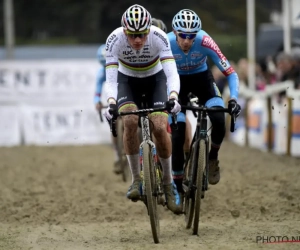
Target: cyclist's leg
[
  {"x": 214, "y": 99},
  {"x": 163, "y": 141},
  {"x": 179, "y": 135},
  {"x": 127, "y": 102},
  {"x": 217, "y": 136},
  {"x": 188, "y": 137},
  {"x": 178, "y": 139},
  {"x": 117, "y": 165}
]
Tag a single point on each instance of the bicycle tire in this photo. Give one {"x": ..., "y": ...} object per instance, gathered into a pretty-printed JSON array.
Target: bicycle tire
[
  {"x": 121, "y": 153},
  {"x": 150, "y": 181},
  {"x": 198, "y": 194},
  {"x": 189, "y": 201}
]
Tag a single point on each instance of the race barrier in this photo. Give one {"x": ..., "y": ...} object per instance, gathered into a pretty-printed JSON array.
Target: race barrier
[
  {"x": 269, "y": 122},
  {"x": 49, "y": 103}
]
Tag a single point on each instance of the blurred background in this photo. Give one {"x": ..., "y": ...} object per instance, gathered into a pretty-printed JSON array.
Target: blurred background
[
  {"x": 72, "y": 22},
  {"x": 35, "y": 32}
]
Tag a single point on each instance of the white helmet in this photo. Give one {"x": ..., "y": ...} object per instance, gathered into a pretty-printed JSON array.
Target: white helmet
[
  {"x": 186, "y": 21},
  {"x": 136, "y": 19}
]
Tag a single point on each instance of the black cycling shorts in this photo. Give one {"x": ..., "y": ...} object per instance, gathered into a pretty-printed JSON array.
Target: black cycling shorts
[
  {"x": 201, "y": 84},
  {"x": 131, "y": 90}
]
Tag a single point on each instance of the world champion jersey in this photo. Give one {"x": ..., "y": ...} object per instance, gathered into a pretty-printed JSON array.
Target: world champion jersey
[{"x": 152, "y": 58}]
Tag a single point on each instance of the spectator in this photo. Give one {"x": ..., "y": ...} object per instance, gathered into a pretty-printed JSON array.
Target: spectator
[
  {"x": 260, "y": 79},
  {"x": 296, "y": 61},
  {"x": 242, "y": 70},
  {"x": 287, "y": 69}
]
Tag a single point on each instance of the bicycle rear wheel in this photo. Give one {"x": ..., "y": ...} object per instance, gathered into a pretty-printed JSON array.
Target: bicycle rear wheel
[
  {"x": 150, "y": 185},
  {"x": 122, "y": 157},
  {"x": 198, "y": 193}
]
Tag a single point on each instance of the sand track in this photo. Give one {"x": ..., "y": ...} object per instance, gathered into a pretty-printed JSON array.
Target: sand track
[{"x": 68, "y": 198}]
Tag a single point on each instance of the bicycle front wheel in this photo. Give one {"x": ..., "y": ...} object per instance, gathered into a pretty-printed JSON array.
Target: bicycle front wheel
[
  {"x": 189, "y": 200},
  {"x": 198, "y": 194},
  {"x": 150, "y": 185}
]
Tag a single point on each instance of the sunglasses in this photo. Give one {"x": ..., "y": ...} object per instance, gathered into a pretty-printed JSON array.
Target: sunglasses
[
  {"x": 189, "y": 36},
  {"x": 135, "y": 35}
]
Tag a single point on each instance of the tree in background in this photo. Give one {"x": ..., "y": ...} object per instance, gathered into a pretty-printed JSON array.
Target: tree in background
[{"x": 91, "y": 21}]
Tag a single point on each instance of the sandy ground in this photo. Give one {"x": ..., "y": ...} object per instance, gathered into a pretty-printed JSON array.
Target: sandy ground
[{"x": 68, "y": 198}]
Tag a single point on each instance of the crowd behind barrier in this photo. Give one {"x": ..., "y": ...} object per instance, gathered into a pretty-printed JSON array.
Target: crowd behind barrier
[
  {"x": 270, "y": 119},
  {"x": 50, "y": 102},
  {"x": 269, "y": 124}
]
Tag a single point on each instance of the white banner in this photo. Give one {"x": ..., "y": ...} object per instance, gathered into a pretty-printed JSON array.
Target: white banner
[
  {"x": 10, "y": 133},
  {"x": 63, "y": 125},
  {"x": 56, "y": 100},
  {"x": 49, "y": 81}
]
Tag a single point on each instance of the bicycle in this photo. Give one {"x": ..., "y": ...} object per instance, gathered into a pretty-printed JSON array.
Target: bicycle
[
  {"x": 125, "y": 172},
  {"x": 196, "y": 168},
  {"x": 151, "y": 172}
]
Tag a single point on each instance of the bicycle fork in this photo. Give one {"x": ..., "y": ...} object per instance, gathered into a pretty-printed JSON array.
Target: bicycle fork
[
  {"x": 157, "y": 188},
  {"x": 201, "y": 134},
  {"x": 158, "y": 184}
]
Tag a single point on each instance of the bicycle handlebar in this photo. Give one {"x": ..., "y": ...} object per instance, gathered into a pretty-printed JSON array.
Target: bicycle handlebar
[
  {"x": 141, "y": 111},
  {"x": 213, "y": 110},
  {"x": 100, "y": 113},
  {"x": 112, "y": 122}
]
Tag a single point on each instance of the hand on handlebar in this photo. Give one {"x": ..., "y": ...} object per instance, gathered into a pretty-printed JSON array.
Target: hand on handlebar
[
  {"x": 111, "y": 112},
  {"x": 173, "y": 106},
  {"x": 234, "y": 108},
  {"x": 99, "y": 106}
]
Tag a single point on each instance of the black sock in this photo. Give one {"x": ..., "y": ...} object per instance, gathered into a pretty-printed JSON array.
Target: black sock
[
  {"x": 213, "y": 154},
  {"x": 178, "y": 183}
]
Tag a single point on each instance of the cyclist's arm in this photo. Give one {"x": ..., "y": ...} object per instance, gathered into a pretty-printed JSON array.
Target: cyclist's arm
[
  {"x": 212, "y": 49},
  {"x": 111, "y": 68},
  {"x": 169, "y": 65},
  {"x": 99, "y": 84}
]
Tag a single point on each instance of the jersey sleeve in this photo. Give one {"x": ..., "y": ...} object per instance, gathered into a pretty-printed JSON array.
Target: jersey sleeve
[
  {"x": 111, "y": 66},
  {"x": 99, "y": 84},
  {"x": 168, "y": 62},
  {"x": 211, "y": 48}
]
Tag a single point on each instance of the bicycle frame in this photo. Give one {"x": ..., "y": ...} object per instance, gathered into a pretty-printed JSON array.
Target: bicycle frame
[
  {"x": 151, "y": 174},
  {"x": 146, "y": 135},
  {"x": 197, "y": 167},
  {"x": 201, "y": 134}
]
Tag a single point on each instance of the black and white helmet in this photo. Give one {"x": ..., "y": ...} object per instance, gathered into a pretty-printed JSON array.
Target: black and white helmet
[
  {"x": 186, "y": 21},
  {"x": 136, "y": 19}
]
